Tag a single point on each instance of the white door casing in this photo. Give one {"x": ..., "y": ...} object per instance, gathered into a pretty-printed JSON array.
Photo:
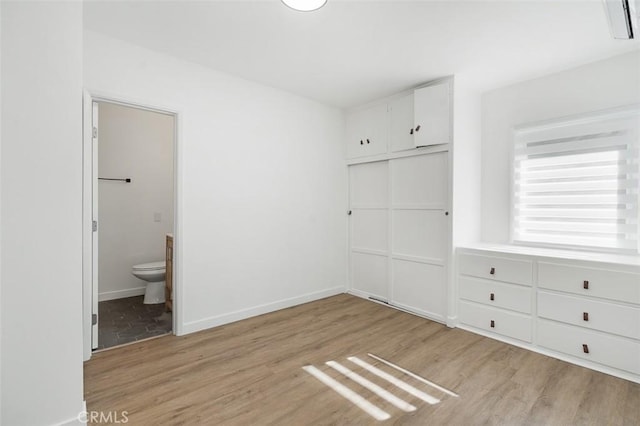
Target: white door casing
[{"x": 94, "y": 218}]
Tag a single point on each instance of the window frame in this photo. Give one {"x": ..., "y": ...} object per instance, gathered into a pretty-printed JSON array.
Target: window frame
[{"x": 627, "y": 111}]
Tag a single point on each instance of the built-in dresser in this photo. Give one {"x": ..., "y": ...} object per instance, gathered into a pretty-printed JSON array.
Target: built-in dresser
[{"x": 580, "y": 307}]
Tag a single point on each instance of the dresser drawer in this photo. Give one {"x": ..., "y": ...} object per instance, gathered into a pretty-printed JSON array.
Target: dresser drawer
[
  {"x": 613, "y": 351},
  {"x": 614, "y": 285},
  {"x": 603, "y": 316},
  {"x": 493, "y": 293},
  {"x": 496, "y": 268},
  {"x": 497, "y": 321}
]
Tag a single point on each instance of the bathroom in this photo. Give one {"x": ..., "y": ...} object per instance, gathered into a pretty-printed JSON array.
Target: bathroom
[{"x": 135, "y": 206}]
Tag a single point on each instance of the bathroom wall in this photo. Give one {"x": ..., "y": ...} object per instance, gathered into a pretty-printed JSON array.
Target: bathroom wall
[
  {"x": 600, "y": 85},
  {"x": 262, "y": 196},
  {"x": 133, "y": 217},
  {"x": 41, "y": 245}
]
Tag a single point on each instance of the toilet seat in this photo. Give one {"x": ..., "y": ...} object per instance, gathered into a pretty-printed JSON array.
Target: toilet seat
[{"x": 151, "y": 266}]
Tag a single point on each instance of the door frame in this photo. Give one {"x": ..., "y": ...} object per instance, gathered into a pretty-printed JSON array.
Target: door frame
[{"x": 89, "y": 97}]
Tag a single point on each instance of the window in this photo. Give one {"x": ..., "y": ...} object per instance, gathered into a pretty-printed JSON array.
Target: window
[{"x": 576, "y": 182}]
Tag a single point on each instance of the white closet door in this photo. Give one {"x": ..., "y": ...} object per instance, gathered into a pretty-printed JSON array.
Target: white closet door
[
  {"x": 419, "y": 230},
  {"x": 369, "y": 228}
]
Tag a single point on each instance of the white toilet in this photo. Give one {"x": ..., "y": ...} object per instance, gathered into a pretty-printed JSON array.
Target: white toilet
[{"x": 153, "y": 273}]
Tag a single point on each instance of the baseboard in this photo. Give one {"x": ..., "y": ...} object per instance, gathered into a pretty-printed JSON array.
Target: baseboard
[
  {"x": 452, "y": 321},
  {"x": 557, "y": 355},
  {"x": 192, "y": 327},
  {"x": 120, "y": 294}
]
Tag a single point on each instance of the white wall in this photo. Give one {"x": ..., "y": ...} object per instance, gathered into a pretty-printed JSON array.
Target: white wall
[
  {"x": 41, "y": 167},
  {"x": 604, "y": 84},
  {"x": 466, "y": 177},
  {"x": 136, "y": 144},
  {"x": 261, "y": 221}
]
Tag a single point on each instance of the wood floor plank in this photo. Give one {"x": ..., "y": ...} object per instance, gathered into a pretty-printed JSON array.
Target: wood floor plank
[{"x": 250, "y": 373}]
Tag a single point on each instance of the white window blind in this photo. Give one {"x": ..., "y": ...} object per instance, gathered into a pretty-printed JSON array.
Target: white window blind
[{"x": 576, "y": 182}]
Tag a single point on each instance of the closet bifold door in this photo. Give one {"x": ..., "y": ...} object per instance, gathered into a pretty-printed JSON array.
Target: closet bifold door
[
  {"x": 419, "y": 233},
  {"x": 369, "y": 207}
]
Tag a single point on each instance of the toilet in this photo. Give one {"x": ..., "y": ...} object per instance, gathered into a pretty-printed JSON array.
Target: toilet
[{"x": 154, "y": 274}]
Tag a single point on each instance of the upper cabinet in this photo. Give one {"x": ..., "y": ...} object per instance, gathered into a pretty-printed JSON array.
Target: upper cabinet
[
  {"x": 401, "y": 123},
  {"x": 432, "y": 115},
  {"x": 401, "y": 133},
  {"x": 367, "y": 131}
]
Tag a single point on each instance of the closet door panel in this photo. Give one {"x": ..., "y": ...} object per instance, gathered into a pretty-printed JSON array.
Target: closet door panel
[
  {"x": 368, "y": 185},
  {"x": 369, "y": 230},
  {"x": 369, "y": 221},
  {"x": 420, "y": 180},
  {"x": 418, "y": 287},
  {"x": 369, "y": 274},
  {"x": 420, "y": 233}
]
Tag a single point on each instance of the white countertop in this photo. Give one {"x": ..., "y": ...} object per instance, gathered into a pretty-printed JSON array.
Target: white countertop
[{"x": 557, "y": 253}]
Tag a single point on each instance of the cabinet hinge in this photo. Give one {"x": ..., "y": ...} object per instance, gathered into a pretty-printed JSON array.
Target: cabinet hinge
[
  {"x": 94, "y": 319},
  {"x": 95, "y": 132},
  {"x": 94, "y": 225}
]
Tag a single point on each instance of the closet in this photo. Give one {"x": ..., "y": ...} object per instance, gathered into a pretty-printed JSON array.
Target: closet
[{"x": 399, "y": 204}]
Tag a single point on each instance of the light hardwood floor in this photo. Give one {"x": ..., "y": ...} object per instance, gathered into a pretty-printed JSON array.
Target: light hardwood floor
[{"x": 249, "y": 373}]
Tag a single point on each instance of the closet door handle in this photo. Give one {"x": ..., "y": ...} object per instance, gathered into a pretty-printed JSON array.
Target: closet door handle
[
  {"x": 418, "y": 128},
  {"x": 493, "y": 324},
  {"x": 585, "y": 284},
  {"x": 491, "y": 297},
  {"x": 368, "y": 141},
  {"x": 585, "y": 349},
  {"x": 361, "y": 142},
  {"x": 492, "y": 271},
  {"x": 411, "y": 132},
  {"x": 585, "y": 316}
]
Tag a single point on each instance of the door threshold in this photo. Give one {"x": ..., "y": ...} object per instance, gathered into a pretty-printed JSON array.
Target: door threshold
[{"x": 95, "y": 351}]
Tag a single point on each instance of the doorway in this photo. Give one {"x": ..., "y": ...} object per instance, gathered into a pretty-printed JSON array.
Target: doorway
[{"x": 129, "y": 223}]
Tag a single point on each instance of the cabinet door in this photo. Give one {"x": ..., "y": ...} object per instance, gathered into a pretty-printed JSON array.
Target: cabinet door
[
  {"x": 401, "y": 124},
  {"x": 366, "y": 131},
  {"x": 369, "y": 228},
  {"x": 432, "y": 115},
  {"x": 420, "y": 233}
]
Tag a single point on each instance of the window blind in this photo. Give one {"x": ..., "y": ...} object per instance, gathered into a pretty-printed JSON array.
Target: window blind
[{"x": 576, "y": 182}]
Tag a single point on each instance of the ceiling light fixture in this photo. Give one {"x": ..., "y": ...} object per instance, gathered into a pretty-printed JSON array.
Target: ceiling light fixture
[{"x": 305, "y": 5}]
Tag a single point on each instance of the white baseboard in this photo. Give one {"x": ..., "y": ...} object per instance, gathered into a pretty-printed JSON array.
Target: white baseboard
[
  {"x": 203, "y": 324},
  {"x": 120, "y": 294},
  {"x": 452, "y": 321}
]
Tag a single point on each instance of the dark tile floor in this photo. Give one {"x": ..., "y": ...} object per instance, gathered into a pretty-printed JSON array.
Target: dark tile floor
[{"x": 128, "y": 320}]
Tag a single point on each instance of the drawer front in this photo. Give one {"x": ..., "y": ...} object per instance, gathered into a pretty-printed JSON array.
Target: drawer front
[
  {"x": 612, "y": 351},
  {"x": 506, "y": 323},
  {"x": 496, "y": 268},
  {"x": 492, "y": 293},
  {"x": 614, "y": 285},
  {"x": 603, "y": 316}
]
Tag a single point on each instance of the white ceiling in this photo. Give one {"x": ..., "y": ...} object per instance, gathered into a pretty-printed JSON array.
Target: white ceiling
[{"x": 353, "y": 51}]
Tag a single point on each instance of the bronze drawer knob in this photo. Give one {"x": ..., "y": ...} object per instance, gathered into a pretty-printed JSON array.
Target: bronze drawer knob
[
  {"x": 491, "y": 297},
  {"x": 585, "y": 316},
  {"x": 493, "y": 324},
  {"x": 585, "y": 285},
  {"x": 492, "y": 271},
  {"x": 585, "y": 349}
]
